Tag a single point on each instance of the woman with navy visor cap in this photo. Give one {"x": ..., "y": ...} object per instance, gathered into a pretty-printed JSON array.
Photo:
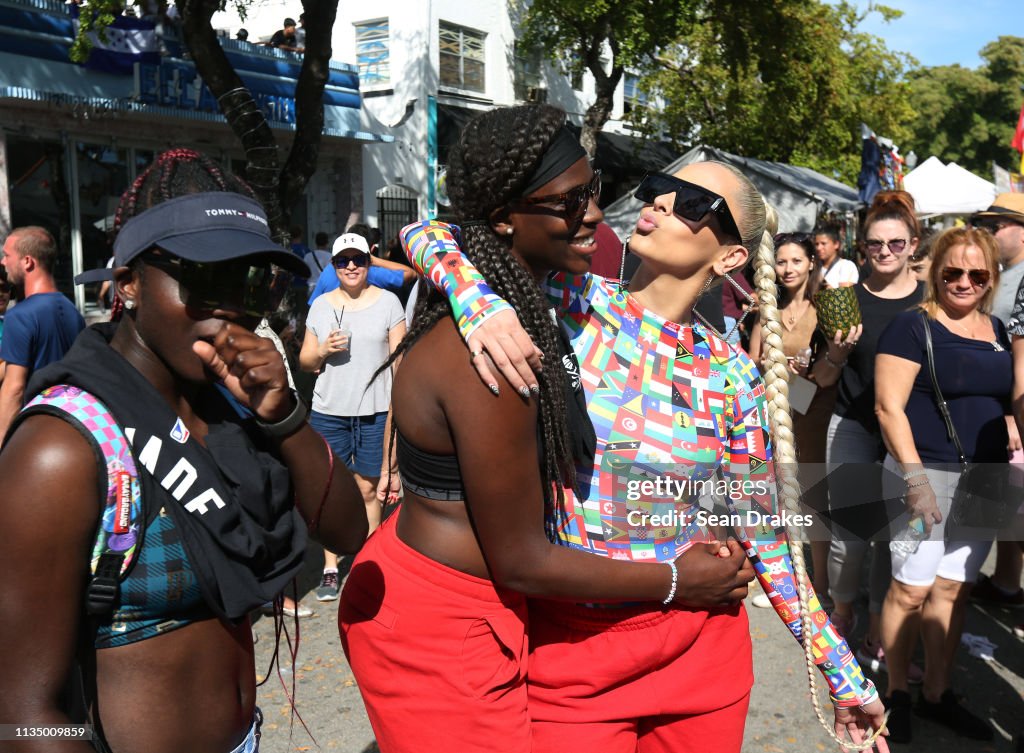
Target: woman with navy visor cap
[
  {"x": 169, "y": 445},
  {"x": 669, "y": 398}
]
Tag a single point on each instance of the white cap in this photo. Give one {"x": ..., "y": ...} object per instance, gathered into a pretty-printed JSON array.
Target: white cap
[{"x": 350, "y": 240}]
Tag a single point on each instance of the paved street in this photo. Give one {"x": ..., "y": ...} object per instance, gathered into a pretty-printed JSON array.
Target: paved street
[{"x": 781, "y": 719}]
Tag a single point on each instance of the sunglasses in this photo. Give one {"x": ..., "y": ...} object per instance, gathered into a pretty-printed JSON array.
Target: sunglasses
[
  {"x": 781, "y": 239},
  {"x": 341, "y": 262},
  {"x": 692, "y": 202},
  {"x": 994, "y": 226},
  {"x": 255, "y": 288},
  {"x": 896, "y": 245},
  {"x": 979, "y": 277},
  {"x": 574, "y": 202}
]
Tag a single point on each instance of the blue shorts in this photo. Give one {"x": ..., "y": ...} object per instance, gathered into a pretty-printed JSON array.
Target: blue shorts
[
  {"x": 251, "y": 743},
  {"x": 358, "y": 441}
]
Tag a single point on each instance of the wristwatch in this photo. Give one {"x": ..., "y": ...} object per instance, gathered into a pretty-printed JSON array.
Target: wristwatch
[{"x": 289, "y": 424}]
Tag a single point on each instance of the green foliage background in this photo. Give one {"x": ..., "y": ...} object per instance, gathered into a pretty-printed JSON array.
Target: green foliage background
[{"x": 789, "y": 80}]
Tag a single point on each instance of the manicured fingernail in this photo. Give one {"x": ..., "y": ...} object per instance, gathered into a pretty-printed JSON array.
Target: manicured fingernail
[
  {"x": 525, "y": 392},
  {"x": 534, "y": 389},
  {"x": 493, "y": 388}
]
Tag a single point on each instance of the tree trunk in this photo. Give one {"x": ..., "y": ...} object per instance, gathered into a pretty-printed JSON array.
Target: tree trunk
[
  {"x": 593, "y": 121},
  {"x": 309, "y": 105},
  {"x": 59, "y": 193},
  {"x": 245, "y": 118},
  {"x": 604, "y": 85},
  {"x": 278, "y": 189}
]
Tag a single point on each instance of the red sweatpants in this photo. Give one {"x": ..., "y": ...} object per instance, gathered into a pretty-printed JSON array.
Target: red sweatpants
[
  {"x": 439, "y": 656},
  {"x": 638, "y": 680}
]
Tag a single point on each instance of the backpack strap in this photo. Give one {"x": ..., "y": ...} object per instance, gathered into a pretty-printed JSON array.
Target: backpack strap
[{"x": 122, "y": 523}]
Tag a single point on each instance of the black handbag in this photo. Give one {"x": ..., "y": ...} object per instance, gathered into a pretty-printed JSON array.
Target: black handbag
[{"x": 987, "y": 495}]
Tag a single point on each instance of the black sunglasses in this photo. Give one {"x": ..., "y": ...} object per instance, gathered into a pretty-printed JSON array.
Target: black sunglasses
[
  {"x": 692, "y": 202},
  {"x": 979, "y": 277},
  {"x": 993, "y": 225},
  {"x": 575, "y": 201},
  {"x": 255, "y": 287},
  {"x": 340, "y": 262}
]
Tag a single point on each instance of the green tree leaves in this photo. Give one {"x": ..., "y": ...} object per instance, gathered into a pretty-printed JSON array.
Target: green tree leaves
[
  {"x": 968, "y": 116},
  {"x": 789, "y": 80},
  {"x": 603, "y": 36}
]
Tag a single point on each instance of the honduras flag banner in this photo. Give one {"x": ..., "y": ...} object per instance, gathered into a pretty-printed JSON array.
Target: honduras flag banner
[{"x": 126, "y": 42}]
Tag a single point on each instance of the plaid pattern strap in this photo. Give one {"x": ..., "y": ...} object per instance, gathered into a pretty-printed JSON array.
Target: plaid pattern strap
[{"x": 120, "y": 529}]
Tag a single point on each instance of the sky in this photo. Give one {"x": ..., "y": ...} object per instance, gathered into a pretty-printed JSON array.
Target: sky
[{"x": 944, "y": 32}]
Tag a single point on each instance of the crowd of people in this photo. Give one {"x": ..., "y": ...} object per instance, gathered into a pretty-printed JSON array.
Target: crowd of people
[{"x": 489, "y": 430}]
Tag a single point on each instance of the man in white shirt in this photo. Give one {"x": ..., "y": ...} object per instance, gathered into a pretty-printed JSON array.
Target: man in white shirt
[{"x": 836, "y": 272}]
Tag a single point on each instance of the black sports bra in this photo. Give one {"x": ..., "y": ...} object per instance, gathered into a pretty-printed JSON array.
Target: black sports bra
[
  {"x": 426, "y": 474},
  {"x": 439, "y": 477}
]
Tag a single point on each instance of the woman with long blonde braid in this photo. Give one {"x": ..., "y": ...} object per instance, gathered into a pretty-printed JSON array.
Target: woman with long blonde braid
[
  {"x": 671, "y": 403},
  {"x": 776, "y": 377}
]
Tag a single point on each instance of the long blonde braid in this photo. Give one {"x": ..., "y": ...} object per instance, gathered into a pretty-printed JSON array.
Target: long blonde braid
[{"x": 776, "y": 377}]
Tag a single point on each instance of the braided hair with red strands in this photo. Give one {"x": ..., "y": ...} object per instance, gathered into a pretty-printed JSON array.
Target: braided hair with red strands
[
  {"x": 174, "y": 173},
  {"x": 180, "y": 172}
]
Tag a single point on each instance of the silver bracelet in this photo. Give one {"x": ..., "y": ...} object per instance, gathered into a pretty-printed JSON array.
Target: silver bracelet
[
  {"x": 833, "y": 363},
  {"x": 675, "y": 582},
  {"x": 922, "y": 482},
  {"x": 911, "y": 474}
]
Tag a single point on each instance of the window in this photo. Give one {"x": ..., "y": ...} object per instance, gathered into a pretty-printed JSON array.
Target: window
[
  {"x": 632, "y": 95},
  {"x": 462, "y": 57},
  {"x": 372, "y": 52},
  {"x": 527, "y": 73}
]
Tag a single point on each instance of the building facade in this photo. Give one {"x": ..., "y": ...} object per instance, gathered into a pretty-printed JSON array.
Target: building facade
[
  {"x": 425, "y": 68},
  {"x": 74, "y": 137}
]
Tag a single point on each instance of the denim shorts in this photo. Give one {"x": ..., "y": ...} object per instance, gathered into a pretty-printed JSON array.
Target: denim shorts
[
  {"x": 358, "y": 441},
  {"x": 251, "y": 743}
]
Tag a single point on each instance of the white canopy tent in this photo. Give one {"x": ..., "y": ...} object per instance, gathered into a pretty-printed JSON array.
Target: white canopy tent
[
  {"x": 799, "y": 194},
  {"x": 947, "y": 189}
]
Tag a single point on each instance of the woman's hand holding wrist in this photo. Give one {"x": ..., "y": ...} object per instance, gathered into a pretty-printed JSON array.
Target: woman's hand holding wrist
[{"x": 713, "y": 579}]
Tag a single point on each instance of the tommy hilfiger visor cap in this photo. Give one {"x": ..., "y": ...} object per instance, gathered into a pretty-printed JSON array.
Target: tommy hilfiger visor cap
[{"x": 203, "y": 227}]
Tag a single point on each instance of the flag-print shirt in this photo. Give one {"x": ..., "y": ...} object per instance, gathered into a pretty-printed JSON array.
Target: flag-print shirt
[{"x": 682, "y": 438}]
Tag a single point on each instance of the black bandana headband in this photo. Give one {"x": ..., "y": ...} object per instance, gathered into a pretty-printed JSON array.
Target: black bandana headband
[{"x": 565, "y": 150}]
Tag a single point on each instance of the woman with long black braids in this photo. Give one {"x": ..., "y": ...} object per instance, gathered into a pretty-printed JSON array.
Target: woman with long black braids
[
  {"x": 170, "y": 440},
  {"x": 433, "y": 615}
]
